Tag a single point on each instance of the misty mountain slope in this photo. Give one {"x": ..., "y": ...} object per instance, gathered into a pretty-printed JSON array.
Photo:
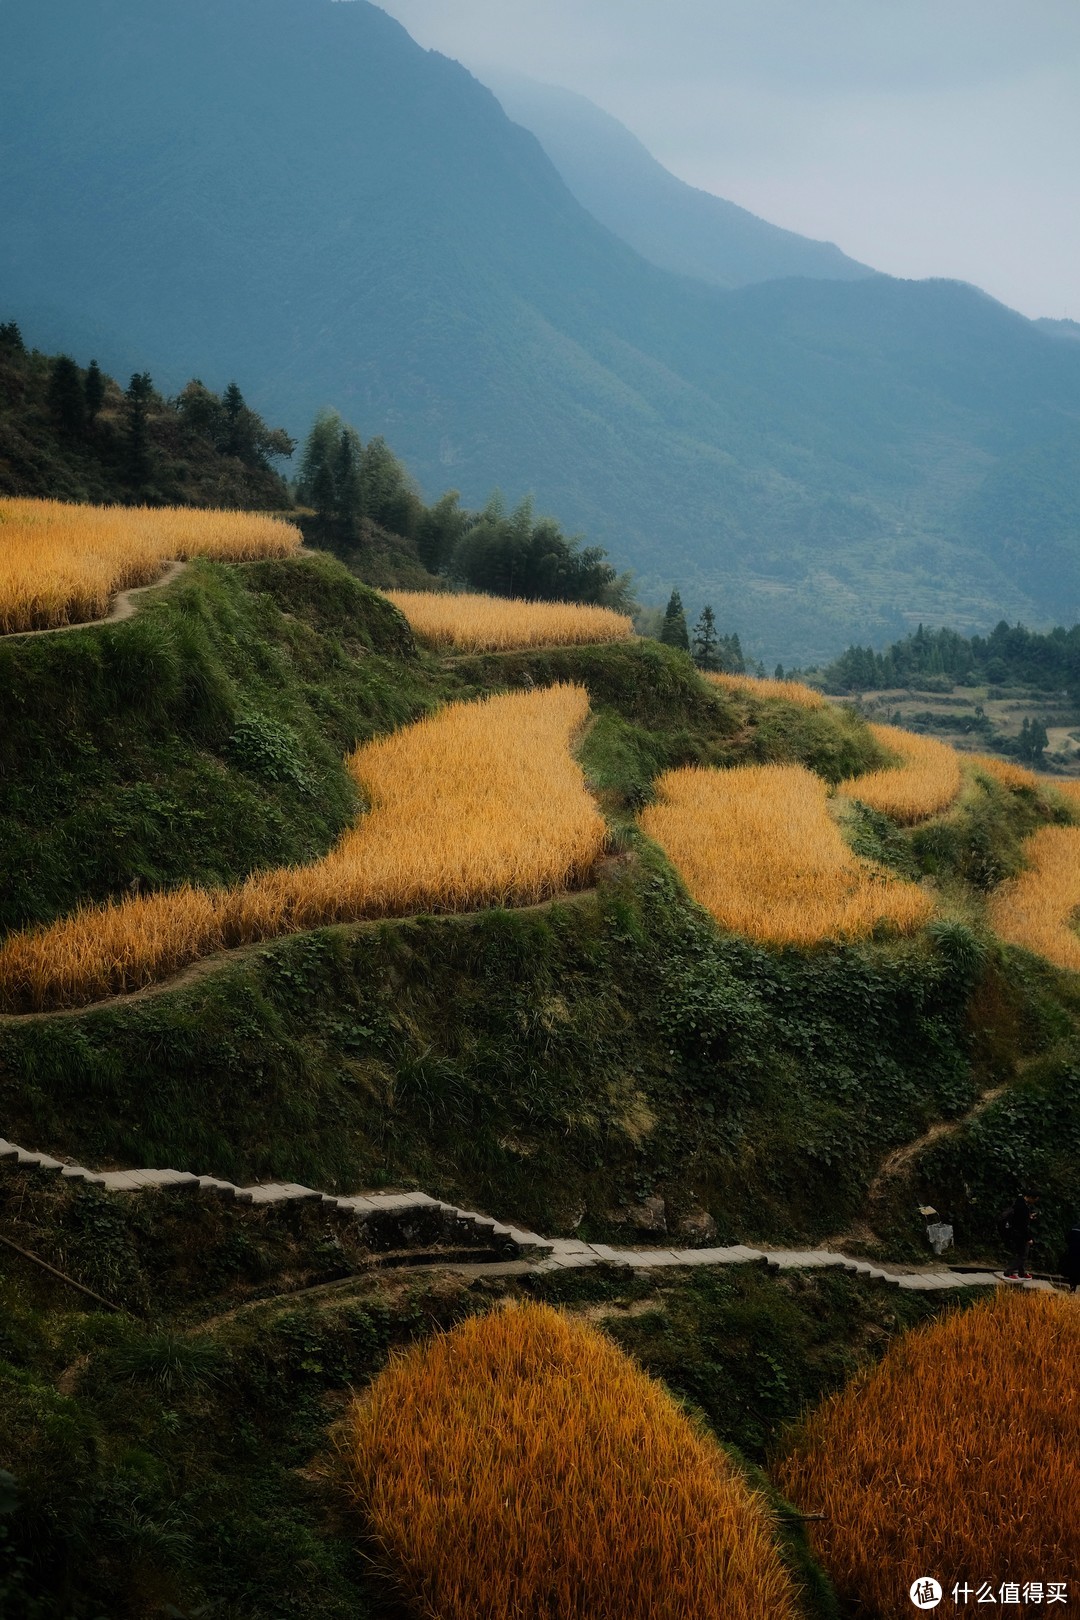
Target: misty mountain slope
[
  {"x": 292, "y": 192},
  {"x": 670, "y": 223}
]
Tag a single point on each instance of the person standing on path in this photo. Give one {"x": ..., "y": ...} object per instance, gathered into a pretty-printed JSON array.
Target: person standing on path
[{"x": 1017, "y": 1226}]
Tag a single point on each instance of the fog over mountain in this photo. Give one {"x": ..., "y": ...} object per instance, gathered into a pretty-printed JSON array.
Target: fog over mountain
[
  {"x": 294, "y": 193},
  {"x": 673, "y": 225}
]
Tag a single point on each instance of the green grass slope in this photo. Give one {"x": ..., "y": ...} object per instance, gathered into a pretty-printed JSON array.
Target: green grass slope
[
  {"x": 563, "y": 1065},
  {"x": 198, "y": 740},
  {"x": 560, "y": 1064}
]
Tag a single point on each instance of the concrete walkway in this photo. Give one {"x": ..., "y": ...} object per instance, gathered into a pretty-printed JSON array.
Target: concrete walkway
[{"x": 406, "y": 1210}]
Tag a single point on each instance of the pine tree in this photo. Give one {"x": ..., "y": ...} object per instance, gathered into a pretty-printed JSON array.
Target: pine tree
[
  {"x": 94, "y": 391},
  {"x": 239, "y": 426},
  {"x": 673, "y": 631},
  {"x": 348, "y": 482},
  {"x": 316, "y": 485},
  {"x": 137, "y": 397},
  {"x": 67, "y": 401},
  {"x": 705, "y": 648}
]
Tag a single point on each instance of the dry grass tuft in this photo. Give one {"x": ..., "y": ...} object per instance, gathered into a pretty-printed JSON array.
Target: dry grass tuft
[
  {"x": 1034, "y": 910},
  {"x": 522, "y": 1465},
  {"x": 957, "y": 1457},
  {"x": 758, "y": 848},
  {"x": 1003, "y": 771},
  {"x": 926, "y": 780},
  {"x": 498, "y": 624},
  {"x": 480, "y": 804},
  {"x": 62, "y": 564},
  {"x": 756, "y": 686}
]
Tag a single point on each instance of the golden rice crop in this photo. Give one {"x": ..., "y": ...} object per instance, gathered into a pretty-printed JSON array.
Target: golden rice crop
[
  {"x": 1068, "y": 787},
  {"x": 1003, "y": 771},
  {"x": 63, "y": 564},
  {"x": 522, "y": 1465},
  {"x": 1034, "y": 910},
  {"x": 759, "y": 686},
  {"x": 499, "y": 624},
  {"x": 758, "y": 848},
  {"x": 958, "y": 1457},
  {"x": 479, "y": 804},
  {"x": 926, "y": 780}
]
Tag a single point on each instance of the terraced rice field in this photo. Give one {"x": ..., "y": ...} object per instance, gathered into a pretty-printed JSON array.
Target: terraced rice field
[
  {"x": 480, "y": 804},
  {"x": 1005, "y": 772},
  {"x": 925, "y": 781},
  {"x": 758, "y": 848},
  {"x": 757, "y": 686},
  {"x": 1035, "y": 909},
  {"x": 957, "y": 1457},
  {"x": 522, "y": 1465},
  {"x": 497, "y": 624},
  {"x": 62, "y": 564}
]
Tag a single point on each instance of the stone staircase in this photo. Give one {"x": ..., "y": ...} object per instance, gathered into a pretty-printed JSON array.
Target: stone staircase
[
  {"x": 387, "y": 1220},
  {"x": 403, "y": 1220}
]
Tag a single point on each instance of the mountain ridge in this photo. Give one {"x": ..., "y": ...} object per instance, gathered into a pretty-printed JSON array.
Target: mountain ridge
[
  {"x": 356, "y": 222},
  {"x": 676, "y": 226}
]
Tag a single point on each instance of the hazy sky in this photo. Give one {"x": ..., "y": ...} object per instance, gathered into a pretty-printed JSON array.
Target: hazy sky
[{"x": 925, "y": 137}]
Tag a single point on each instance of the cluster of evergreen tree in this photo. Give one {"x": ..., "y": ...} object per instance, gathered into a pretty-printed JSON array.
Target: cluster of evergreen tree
[
  {"x": 1010, "y": 655},
  {"x": 710, "y": 650},
  {"x": 499, "y": 552},
  {"x": 73, "y": 432}
]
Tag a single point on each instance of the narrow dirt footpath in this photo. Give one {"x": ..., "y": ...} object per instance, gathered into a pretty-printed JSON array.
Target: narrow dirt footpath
[{"x": 123, "y": 607}]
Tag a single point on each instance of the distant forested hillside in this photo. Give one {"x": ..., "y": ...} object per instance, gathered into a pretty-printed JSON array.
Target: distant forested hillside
[
  {"x": 293, "y": 193},
  {"x": 1010, "y": 655}
]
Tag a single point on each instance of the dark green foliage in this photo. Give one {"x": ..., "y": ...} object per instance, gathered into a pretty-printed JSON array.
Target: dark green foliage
[
  {"x": 348, "y": 482},
  {"x": 752, "y": 1350},
  {"x": 516, "y": 554},
  {"x": 705, "y": 648},
  {"x": 673, "y": 632},
  {"x": 651, "y": 685},
  {"x": 198, "y": 740},
  {"x": 439, "y": 531},
  {"x": 231, "y": 426},
  {"x": 68, "y": 436},
  {"x": 1032, "y": 741},
  {"x": 94, "y": 390},
  {"x": 929, "y": 659},
  {"x": 137, "y": 401},
  {"x": 1029, "y": 1139},
  {"x": 832, "y": 740},
  {"x": 980, "y": 841},
  {"x": 67, "y": 397},
  {"x": 876, "y": 838}
]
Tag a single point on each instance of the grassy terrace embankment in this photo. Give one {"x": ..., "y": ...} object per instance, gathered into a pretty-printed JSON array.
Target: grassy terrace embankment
[
  {"x": 570, "y": 1065},
  {"x": 560, "y": 1065}
]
